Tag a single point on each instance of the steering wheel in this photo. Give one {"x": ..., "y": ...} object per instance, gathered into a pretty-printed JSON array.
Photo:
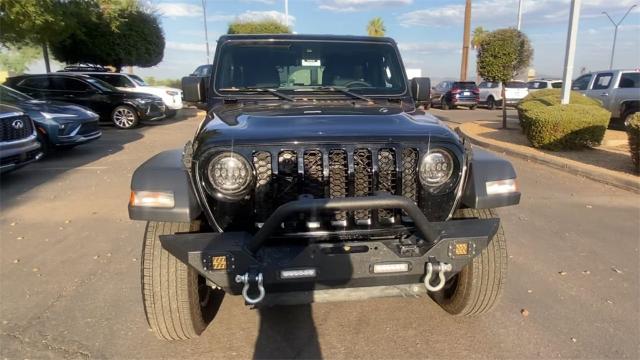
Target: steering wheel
[{"x": 356, "y": 82}]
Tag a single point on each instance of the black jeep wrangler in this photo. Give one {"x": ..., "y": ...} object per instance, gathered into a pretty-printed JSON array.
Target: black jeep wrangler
[{"x": 314, "y": 178}]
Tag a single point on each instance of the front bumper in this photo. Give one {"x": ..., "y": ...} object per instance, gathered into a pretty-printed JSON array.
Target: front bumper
[
  {"x": 222, "y": 257},
  {"x": 18, "y": 153},
  {"x": 152, "y": 111},
  {"x": 77, "y": 134}
]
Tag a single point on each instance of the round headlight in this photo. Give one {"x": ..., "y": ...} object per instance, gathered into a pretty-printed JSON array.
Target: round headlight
[
  {"x": 230, "y": 174},
  {"x": 436, "y": 168}
]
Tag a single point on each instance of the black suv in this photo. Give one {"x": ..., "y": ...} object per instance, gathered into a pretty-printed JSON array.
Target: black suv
[
  {"x": 451, "y": 94},
  {"x": 124, "y": 109},
  {"x": 314, "y": 178}
]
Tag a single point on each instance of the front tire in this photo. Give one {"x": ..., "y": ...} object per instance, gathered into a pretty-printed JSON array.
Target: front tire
[
  {"x": 477, "y": 288},
  {"x": 125, "y": 117},
  {"x": 178, "y": 303},
  {"x": 491, "y": 103},
  {"x": 445, "y": 104}
]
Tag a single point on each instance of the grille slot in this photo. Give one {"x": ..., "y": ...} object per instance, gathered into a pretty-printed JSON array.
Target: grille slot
[
  {"x": 338, "y": 179},
  {"x": 262, "y": 164},
  {"x": 409, "y": 176},
  {"x": 363, "y": 182},
  {"x": 288, "y": 176},
  {"x": 23, "y": 128},
  {"x": 387, "y": 180},
  {"x": 313, "y": 173}
]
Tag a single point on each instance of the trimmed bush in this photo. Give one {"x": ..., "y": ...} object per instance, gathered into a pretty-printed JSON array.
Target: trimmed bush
[
  {"x": 549, "y": 125},
  {"x": 633, "y": 132}
]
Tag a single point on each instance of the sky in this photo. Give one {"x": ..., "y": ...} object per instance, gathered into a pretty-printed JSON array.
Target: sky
[{"x": 428, "y": 32}]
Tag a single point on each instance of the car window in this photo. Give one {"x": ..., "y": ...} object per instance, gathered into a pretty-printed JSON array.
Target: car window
[
  {"x": 36, "y": 82},
  {"x": 537, "y": 84},
  {"x": 495, "y": 85},
  {"x": 516, "y": 85},
  {"x": 68, "y": 84},
  {"x": 138, "y": 80},
  {"x": 581, "y": 83},
  {"x": 467, "y": 85},
  {"x": 482, "y": 85},
  {"x": 115, "y": 80},
  {"x": 556, "y": 85},
  {"x": 602, "y": 81},
  {"x": 629, "y": 80}
]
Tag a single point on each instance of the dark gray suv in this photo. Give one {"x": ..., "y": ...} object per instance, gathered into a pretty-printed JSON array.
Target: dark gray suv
[{"x": 18, "y": 140}]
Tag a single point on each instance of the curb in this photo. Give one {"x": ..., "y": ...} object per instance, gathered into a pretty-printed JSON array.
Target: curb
[{"x": 605, "y": 176}]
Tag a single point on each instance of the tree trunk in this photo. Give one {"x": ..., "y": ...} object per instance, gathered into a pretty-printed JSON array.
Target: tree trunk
[
  {"x": 45, "y": 55},
  {"x": 118, "y": 68},
  {"x": 504, "y": 107}
]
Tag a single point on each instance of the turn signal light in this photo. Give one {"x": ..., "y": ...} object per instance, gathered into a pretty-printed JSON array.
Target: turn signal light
[
  {"x": 501, "y": 187},
  {"x": 157, "y": 199}
]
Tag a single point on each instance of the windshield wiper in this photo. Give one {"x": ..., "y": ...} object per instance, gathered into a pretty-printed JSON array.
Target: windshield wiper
[
  {"x": 343, "y": 90},
  {"x": 273, "y": 92}
]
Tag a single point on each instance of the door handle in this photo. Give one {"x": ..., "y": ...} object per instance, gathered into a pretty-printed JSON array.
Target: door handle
[{"x": 604, "y": 94}]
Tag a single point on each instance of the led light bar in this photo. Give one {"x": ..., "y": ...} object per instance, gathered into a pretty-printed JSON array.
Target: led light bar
[
  {"x": 387, "y": 268},
  {"x": 501, "y": 187},
  {"x": 157, "y": 199},
  {"x": 297, "y": 273}
]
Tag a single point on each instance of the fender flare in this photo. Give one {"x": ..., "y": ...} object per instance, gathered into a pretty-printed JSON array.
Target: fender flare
[
  {"x": 165, "y": 172},
  {"x": 485, "y": 166}
]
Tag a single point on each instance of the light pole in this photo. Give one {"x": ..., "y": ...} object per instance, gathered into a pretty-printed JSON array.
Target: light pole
[
  {"x": 286, "y": 13},
  {"x": 615, "y": 33},
  {"x": 569, "y": 56},
  {"x": 520, "y": 9},
  {"x": 206, "y": 33},
  {"x": 465, "y": 41}
]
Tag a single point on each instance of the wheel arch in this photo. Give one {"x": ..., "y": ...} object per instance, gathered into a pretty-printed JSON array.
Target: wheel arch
[{"x": 485, "y": 167}]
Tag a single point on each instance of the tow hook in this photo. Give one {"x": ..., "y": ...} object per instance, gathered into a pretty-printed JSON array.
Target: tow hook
[
  {"x": 245, "y": 279},
  {"x": 440, "y": 268}
]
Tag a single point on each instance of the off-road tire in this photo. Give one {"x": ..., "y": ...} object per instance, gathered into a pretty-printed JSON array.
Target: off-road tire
[
  {"x": 477, "y": 288},
  {"x": 177, "y": 302}
]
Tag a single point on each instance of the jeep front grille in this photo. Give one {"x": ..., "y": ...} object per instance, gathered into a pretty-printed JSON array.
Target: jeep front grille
[{"x": 282, "y": 175}]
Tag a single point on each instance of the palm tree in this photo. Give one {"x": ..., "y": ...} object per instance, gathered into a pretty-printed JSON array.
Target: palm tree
[
  {"x": 479, "y": 34},
  {"x": 375, "y": 27}
]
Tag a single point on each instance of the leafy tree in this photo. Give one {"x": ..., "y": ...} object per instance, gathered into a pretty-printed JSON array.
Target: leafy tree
[
  {"x": 45, "y": 22},
  {"x": 501, "y": 55},
  {"x": 16, "y": 59},
  {"x": 137, "y": 40},
  {"x": 258, "y": 27},
  {"x": 375, "y": 27},
  {"x": 479, "y": 34}
]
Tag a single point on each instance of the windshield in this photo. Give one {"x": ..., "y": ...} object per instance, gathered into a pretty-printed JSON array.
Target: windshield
[
  {"x": 101, "y": 85},
  {"x": 12, "y": 96},
  {"x": 464, "y": 85},
  {"x": 517, "y": 85},
  {"x": 138, "y": 80},
  {"x": 365, "y": 68}
]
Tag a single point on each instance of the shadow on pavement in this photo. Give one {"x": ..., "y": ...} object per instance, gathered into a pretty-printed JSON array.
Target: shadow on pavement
[{"x": 287, "y": 332}]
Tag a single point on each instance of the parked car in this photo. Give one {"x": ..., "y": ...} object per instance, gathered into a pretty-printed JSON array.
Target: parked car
[
  {"x": 125, "y": 109},
  {"x": 491, "y": 93},
  {"x": 18, "y": 140},
  {"x": 198, "y": 82},
  {"x": 58, "y": 124},
  {"x": 313, "y": 177},
  {"x": 619, "y": 91},
  {"x": 450, "y": 94},
  {"x": 129, "y": 82},
  {"x": 540, "y": 84}
]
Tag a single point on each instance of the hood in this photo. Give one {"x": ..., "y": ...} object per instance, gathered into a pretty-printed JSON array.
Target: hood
[
  {"x": 138, "y": 95},
  {"x": 374, "y": 124},
  {"x": 35, "y": 108}
]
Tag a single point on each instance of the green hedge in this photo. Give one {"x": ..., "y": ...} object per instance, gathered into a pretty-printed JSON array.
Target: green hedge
[
  {"x": 550, "y": 125},
  {"x": 633, "y": 131}
]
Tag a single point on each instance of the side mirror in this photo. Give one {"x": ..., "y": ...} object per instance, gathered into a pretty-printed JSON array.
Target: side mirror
[
  {"x": 421, "y": 90},
  {"x": 193, "y": 89}
]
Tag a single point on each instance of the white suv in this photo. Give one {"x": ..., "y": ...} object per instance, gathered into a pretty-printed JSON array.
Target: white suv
[
  {"x": 490, "y": 93},
  {"x": 171, "y": 97},
  {"x": 535, "y": 85}
]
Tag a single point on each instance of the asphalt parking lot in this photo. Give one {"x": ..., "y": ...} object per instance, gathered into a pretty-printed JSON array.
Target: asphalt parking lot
[{"x": 69, "y": 273}]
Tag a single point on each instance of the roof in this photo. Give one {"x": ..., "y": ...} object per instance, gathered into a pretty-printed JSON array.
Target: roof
[{"x": 314, "y": 37}]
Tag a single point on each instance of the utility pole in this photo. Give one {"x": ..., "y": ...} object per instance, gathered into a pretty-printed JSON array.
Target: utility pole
[
  {"x": 520, "y": 10},
  {"x": 465, "y": 41},
  {"x": 570, "y": 53},
  {"x": 286, "y": 13},
  {"x": 206, "y": 33},
  {"x": 615, "y": 33}
]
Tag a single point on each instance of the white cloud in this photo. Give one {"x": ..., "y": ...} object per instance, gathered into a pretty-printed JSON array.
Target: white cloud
[
  {"x": 173, "y": 45},
  {"x": 266, "y": 2},
  {"x": 355, "y": 5},
  {"x": 498, "y": 13},
  {"x": 265, "y": 15},
  {"x": 428, "y": 47},
  {"x": 179, "y": 9},
  {"x": 220, "y": 17}
]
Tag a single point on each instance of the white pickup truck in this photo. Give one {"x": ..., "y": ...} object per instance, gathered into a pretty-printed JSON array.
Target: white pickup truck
[{"x": 619, "y": 91}]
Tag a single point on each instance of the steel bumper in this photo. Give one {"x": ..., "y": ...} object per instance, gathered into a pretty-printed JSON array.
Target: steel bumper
[{"x": 221, "y": 257}]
